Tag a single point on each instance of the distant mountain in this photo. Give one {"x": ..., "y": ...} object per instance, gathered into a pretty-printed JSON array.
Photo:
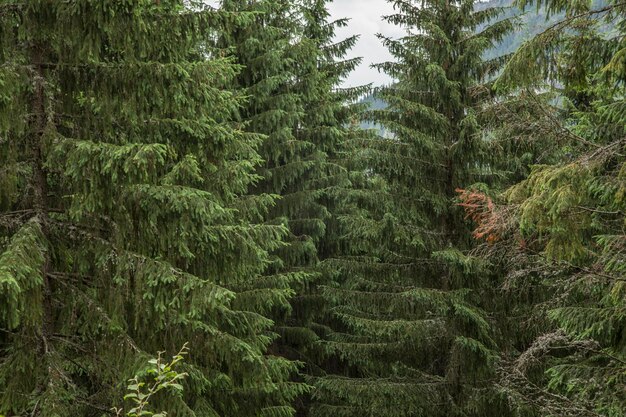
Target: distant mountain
[
  {"x": 533, "y": 22},
  {"x": 374, "y": 104}
]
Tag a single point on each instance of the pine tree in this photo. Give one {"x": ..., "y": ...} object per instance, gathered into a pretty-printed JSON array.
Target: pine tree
[
  {"x": 124, "y": 224},
  {"x": 331, "y": 125},
  {"x": 407, "y": 337},
  {"x": 294, "y": 69}
]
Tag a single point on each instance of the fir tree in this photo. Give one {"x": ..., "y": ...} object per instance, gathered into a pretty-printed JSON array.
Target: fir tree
[
  {"x": 123, "y": 230},
  {"x": 407, "y": 338},
  {"x": 268, "y": 50},
  {"x": 293, "y": 71}
]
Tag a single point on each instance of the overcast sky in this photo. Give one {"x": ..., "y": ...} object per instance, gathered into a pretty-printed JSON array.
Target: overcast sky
[{"x": 366, "y": 20}]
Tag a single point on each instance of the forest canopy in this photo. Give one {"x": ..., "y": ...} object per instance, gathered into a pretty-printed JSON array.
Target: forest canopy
[{"x": 198, "y": 218}]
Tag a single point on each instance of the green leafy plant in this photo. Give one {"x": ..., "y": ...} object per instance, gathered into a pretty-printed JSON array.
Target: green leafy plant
[{"x": 164, "y": 376}]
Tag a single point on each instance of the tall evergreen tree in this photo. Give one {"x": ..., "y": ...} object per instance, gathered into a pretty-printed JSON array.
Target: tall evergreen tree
[
  {"x": 269, "y": 50},
  {"x": 293, "y": 67},
  {"x": 123, "y": 230},
  {"x": 327, "y": 124},
  {"x": 408, "y": 338},
  {"x": 564, "y": 229}
]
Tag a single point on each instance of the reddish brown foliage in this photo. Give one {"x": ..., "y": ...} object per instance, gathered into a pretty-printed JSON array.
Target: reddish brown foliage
[{"x": 482, "y": 210}]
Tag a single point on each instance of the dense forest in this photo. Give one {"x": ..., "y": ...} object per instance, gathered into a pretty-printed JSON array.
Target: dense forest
[{"x": 197, "y": 221}]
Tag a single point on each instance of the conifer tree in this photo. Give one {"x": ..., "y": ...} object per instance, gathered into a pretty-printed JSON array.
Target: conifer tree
[
  {"x": 292, "y": 71},
  {"x": 562, "y": 228},
  {"x": 328, "y": 125},
  {"x": 268, "y": 51},
  {"x": 123, "y": 226},
  {"x": 407, "y": 337}
]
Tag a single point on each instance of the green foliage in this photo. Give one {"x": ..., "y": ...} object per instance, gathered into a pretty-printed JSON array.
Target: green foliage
[
  {"x": 293, "y": 67},
  {"x": 403, "y": 335},
  {"x": 173, "y": 172},
  {"x": 164, "y": 377},
  {"x": 566, "y": 219},
  {"x": 125, "y": 226},
  {"x": 21, "y": 266}
]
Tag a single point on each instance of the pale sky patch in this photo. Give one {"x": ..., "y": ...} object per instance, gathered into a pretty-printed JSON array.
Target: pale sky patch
[{"x": 366, "y": 20}]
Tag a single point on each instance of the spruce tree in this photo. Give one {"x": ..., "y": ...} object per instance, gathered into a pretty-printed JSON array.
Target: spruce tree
[
  {"x": 292, "y": 71},
  {"x": 328, "y": 125},
  {"x": 408, "y": 338},
  {"x": 268, "y": 51},
  {"x": 124, "y": 229},
  {"x": 562, "y": 227},
  {"x": 294, "y": 66}
]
